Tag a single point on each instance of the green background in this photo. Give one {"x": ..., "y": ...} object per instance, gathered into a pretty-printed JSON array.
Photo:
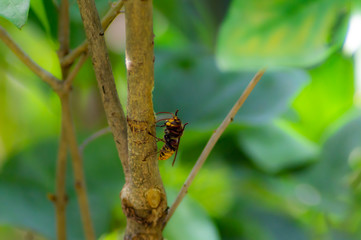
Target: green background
[{"x": 284, "y": 169}]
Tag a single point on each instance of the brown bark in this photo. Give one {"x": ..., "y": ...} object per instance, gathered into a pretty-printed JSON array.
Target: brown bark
[
  {"x": 63, "y": 34},
  {"x": 60, "y": 199},
  {"x": 103, "y": 72},
  {"x": 83, "y": 48},
  {"x": 77, "y": 162},
  {"x": 143, "y": 198}
]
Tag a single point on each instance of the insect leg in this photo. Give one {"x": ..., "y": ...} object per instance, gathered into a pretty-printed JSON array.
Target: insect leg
[
  {"x": 184, "y": 126},
  {"x": 157, "y": 138}
]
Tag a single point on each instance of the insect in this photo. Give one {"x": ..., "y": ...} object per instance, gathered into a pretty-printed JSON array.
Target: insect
[{"x": 172, "y": 134}]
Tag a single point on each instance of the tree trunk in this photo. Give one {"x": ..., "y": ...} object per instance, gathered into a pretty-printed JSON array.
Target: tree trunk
[{"x": 143, "y": 197}]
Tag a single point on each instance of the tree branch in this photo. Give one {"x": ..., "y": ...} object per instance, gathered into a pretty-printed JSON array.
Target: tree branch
[
  {"x": 63, "y": 34},
  {"x": 106, "y": 21},
  {"x": 70, "y": 78},
  {"x": 70, "y": 58},
  {"x": 43, "y": 74},
  {"x": 94, "y": 136},
  {"x": 212, "y": 141},
  {"x": 143, "y": 199},
  {"x": 60, "y": 197},
  {"x": 103, "y": 72},
  {"x": 112, "y": 14},
  {"x": 77, "y": 161}
]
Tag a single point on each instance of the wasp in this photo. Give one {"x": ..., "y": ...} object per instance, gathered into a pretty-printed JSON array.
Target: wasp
[{"x": 172, "y": 134}]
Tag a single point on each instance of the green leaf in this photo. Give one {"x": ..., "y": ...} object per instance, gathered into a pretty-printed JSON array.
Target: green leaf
[
  {"x": 190, "y": 222},
  {"x": 32, "y": 109},
  {"x": 16, "y": 11},
  {"x": 331, "y": 174},
  {"x": 332, "y": 88},
  {"x": 168, "y": 36},
  {"x": 276, "y": 147},
  {"x": 198, "y": 26},
  {"x": 280, "y": 33},
  {"x": 204, "y": 95},
  {"x": 28, "y": 177},
  {"x": 253, "y": 220},
  {"x": 209, "y": 180},
  {"x": 39, "y": 9}
]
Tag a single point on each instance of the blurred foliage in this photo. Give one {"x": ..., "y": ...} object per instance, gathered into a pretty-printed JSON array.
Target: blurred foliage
[
  {"x": 281, "y": 33},
  {"x": 332, "y": 87},
  {"x": 286, "y": 168},
  {"x": 16, "y": 11}
]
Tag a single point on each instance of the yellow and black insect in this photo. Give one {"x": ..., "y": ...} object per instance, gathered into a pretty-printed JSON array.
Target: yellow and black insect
[{"x": 172, "y": 134}]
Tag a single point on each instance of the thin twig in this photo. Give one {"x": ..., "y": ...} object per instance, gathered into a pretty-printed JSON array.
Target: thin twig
[
  {"x": 63, "y": 34},
  {"x": 43, "y": 74},
  {"x": 212, "y": 141},
  {"x": 60, "y": 197},
  {"x": 106, "y": 21},
  {"x": 70, "y": 58},
  {"x": 93, "y": 137},
  {"x": 69, "y": 80},
  {"x": 112, "y": 13},
  {"x": 104, "y": 75},
  {"x": 77, "y": 162}
]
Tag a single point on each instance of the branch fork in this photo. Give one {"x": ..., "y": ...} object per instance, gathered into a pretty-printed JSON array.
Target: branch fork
[
  {"x": 143, "y": 197},
  {"x": 67, "y": 138}
]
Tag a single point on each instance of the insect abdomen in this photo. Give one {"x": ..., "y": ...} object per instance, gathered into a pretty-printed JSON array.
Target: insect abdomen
[{"x": 165, "y": 153}]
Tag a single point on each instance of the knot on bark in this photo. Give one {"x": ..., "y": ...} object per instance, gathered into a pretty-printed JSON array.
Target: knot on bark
[
  {"x": 151, "y": 214},
  {"x": 54, "y": 198},
  {"x": 153, "y": 197}
]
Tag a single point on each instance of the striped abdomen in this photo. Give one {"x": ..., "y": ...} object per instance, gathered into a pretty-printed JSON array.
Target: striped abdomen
[{"x": 166, "y": 152}]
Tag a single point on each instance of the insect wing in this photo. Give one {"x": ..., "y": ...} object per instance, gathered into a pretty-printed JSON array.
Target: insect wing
[
  {"x": 176, "y": 152},
  {"x": 175, "y": 155},
  {"x": 163, "y": 116}
]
